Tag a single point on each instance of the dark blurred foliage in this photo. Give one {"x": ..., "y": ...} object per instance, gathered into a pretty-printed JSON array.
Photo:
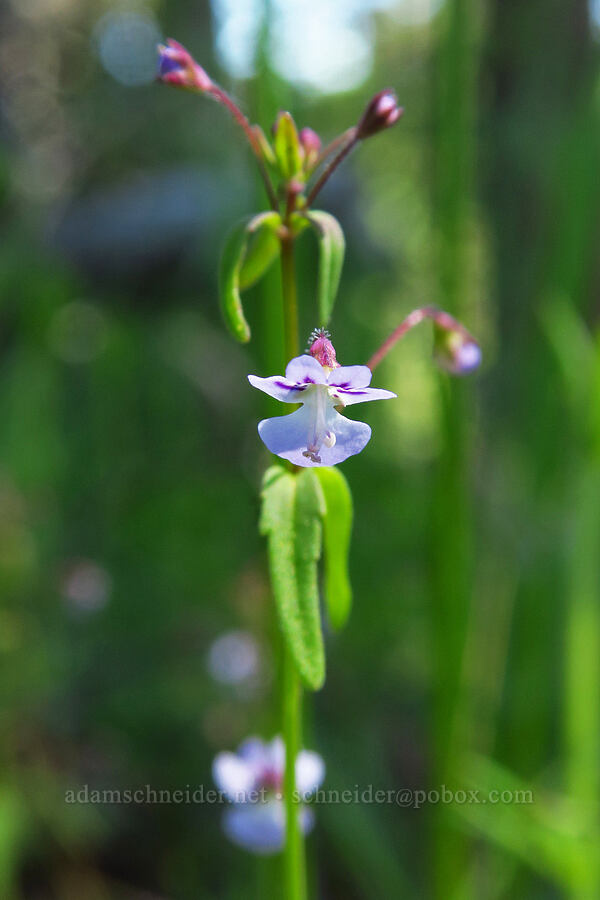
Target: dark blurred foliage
[{"x": 130, "y": 465}]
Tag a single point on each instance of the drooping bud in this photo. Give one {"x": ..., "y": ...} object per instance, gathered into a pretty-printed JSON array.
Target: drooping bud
[
  {"x": 456, "y": 351},
  {"x": 381, "y": 112},
  {"x": 178, "y": 67},
  {"x": 311, "y": 146},
  {"x": 322, "y": 349}
]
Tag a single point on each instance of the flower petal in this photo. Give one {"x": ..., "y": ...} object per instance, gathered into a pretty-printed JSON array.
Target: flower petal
[
  {"x": 288, "y": 437},
  {"x": 351, "y": 377},
  {"x": 257, "y": 827},
  {"x": 254, "y": 751},
  {"x": 349, "y": 397},
  {"x": 234, "y": 776},
  {"x": 305, "y": 370},
  {"x": 260, "y": 827},
  {"x": 276, "y": 755},
  {"x": 310, "y": 772},
  {"x": 279, "y": 387}
]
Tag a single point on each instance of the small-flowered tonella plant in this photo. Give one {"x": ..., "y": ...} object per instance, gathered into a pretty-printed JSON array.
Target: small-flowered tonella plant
[
  {"x": 252, "y": 780},
  {"x": 316, "y": 434},
  {"x": 306, "y": 502}
]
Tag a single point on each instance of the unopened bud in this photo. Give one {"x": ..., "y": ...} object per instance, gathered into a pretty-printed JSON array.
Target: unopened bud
[
  {"x": 311, "y": 146},
  {"x": 322, "y": 349},
  {"x": 456, "y": 351},
  {"x": 178, "y": 67},
  {"x": 264, "y": 145},
  {"x": 382, "y": 112},
  {"x": 286, "y": 144}
]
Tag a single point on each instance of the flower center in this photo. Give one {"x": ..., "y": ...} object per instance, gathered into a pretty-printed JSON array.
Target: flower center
[{"x": 320, "y": 403}]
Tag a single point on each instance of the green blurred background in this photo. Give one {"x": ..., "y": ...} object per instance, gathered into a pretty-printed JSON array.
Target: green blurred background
[{"x": 130, "y": 465}]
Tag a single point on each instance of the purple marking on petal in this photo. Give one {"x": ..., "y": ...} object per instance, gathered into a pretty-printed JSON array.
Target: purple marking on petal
[
  {"x": 278, "y": 387},
  {"x": 290, "y": 387},
  {"x": 350, "y": 377}
]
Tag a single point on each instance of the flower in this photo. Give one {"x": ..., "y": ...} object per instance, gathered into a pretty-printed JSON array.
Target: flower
[
  {"x": 252, "y": 779},
  {"x": 178, "y": 67},
  {"x": 382, "y": 112},
  {"x": 316, "y": 434}
]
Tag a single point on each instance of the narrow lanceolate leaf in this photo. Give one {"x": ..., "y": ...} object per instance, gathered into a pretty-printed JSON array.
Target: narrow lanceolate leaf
[
  {"x": 331, "y": 259},
  {"x": 291, "y": 520},
  {"x": 248, "y": 252},
  {"x": 262, "y": 247},
  {"x": 337, "y": 524}
]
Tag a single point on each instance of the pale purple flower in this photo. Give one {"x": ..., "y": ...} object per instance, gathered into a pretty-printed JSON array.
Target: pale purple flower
[
  {"x": 252, "y": 779},
  {"x": 316, "y": 434}
]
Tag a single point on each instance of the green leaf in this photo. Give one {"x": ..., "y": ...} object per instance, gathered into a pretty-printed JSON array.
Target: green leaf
[
  {"x": 242, "y": 264},
  {"x": 337, "y": 524},
  {"x": 287, "y": 146},
  {"x": 291, "y": 520},
  {"x": 263, "y": 249},
  {"x": 331, "y": 259}
]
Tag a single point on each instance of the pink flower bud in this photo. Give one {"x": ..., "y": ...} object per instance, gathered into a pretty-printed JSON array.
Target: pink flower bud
[
  {"x": 322, "y": 349},
  {"x": 311, "y": 145},
  {"x": 382, "y": 112},
  {"x": 178, "y": 67}
]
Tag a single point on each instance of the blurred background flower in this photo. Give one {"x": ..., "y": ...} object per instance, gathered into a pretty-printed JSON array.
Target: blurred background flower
[{"x": 252, "y": 779}]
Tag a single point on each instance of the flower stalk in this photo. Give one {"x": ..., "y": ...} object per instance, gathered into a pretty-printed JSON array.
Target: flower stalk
[
  {"x": 294, "y": 861},
  {"x": 457, "y": 351}
]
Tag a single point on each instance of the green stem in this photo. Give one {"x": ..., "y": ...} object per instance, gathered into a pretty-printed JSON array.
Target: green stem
[
  {"x": 290, "y": 299},
  {"x": 294, "y": 858},
  {"x": 294, "y": 861}
]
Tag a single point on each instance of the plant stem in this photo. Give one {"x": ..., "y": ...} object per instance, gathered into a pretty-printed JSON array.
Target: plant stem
[
  {"x": 293, "y": 859},
  {"x": 290, "y": 298},
  {"x": 223, "y": 97},
  {"x": 352, "y": 141}
]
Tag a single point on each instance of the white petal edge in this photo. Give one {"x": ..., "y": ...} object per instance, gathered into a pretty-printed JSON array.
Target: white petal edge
[
  {"x": 234, "y": 776},
  {"x": 278, "y": 387},
  {"x": 305, "y": 369},
  {"x": 310, "y": 772},
  {"x": 364, "y": 395}
]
